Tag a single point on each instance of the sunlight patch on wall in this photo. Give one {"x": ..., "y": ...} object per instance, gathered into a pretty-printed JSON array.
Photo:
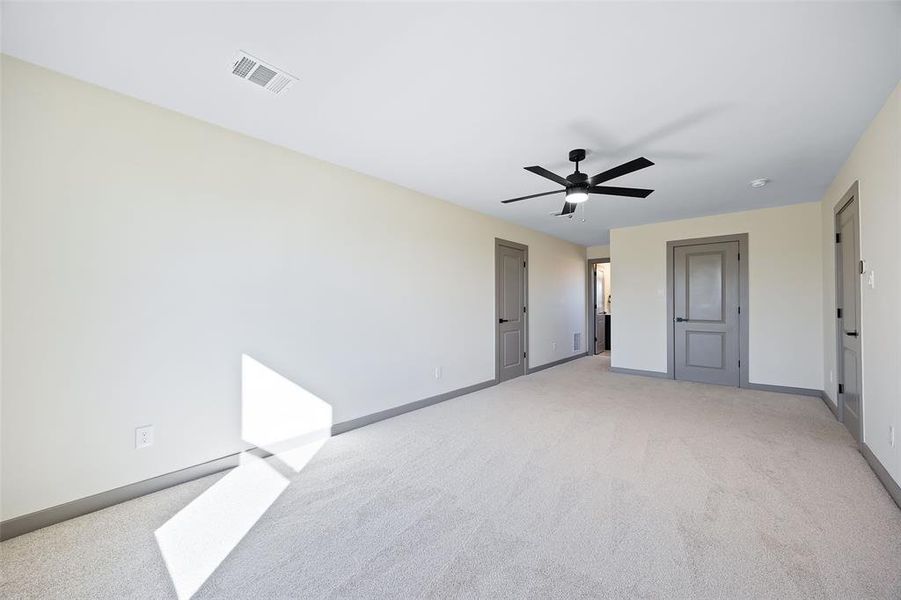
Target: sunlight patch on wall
[
  {"x": 281, "y": 417},
  {"x": 278, "y": 416}
]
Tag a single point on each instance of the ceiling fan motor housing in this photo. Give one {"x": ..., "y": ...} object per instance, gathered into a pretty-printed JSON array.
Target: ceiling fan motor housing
[
  {"x": 576, "y": 155},
  {"x": 578, "y": 179}
]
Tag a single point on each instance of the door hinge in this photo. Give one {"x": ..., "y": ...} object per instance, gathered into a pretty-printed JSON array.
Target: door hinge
[
  {"x": 739, "y": 362},
  {"x": 861, "y": 267},
  {"x": 838, "y": 238},
  {"x": 838, "y": 313},
  {"x": 523, "y": 354},
  {"x": 739, "y": 256},
  {"x": 739, "y": 310},
  {"x": 523, "y": 309},
  {"x": 523, "y": 264},
  {"x": 841, "y": 388}
]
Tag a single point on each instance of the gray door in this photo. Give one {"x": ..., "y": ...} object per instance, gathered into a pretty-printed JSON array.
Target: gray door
[
  {"x": 705, "y": 310},
  {"x": 599, "y": 334},
  {"x": 599, "y": 294},
  {"x": 848, "y": 295},
  {"x": 511, "y": 312}
]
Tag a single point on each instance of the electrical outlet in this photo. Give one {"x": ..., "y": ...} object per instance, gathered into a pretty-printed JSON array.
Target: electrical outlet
[
  {"x": 437, "y": 372},
  {"x": 144, "y": 436}
]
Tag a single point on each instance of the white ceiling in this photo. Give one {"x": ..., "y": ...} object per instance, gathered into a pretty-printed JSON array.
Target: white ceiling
[{"x": 454, "y": 99}]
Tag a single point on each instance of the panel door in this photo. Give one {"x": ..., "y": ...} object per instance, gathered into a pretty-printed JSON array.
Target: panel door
[
  {"x": 511, "y": 309},
  {"x": 705, "y": 308},
  {"x": 599, "y": 295},
  {"x": 848, "y": 281}
]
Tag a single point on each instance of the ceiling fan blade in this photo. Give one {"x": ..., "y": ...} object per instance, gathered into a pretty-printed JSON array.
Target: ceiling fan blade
[
  {"x": 568, "y": 208},
  {"x": 548, "y": 175},
  {"x": 623, "y": 169},
  {"x": 619, "y": 191},
  {"x": 532, "y": 196}
]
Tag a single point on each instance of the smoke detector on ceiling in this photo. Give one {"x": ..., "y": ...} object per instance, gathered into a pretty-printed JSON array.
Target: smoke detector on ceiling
[{"x": 263, "y": 74}]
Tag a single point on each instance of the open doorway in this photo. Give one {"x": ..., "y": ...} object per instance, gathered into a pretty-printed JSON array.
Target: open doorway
[{"x": 601, "y": 303}]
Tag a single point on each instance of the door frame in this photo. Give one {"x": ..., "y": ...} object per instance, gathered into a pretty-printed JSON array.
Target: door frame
[
  {"x": 592, "y": 299},
  {"x": 851, "y": 194},
  {"x": 498, "y": 242},
  {"x": 743, "y": 302}
]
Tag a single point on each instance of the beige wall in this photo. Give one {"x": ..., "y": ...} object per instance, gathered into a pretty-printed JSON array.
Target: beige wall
[
  {"x": 597, "y": 252},
  {"x": 785, "y": 281},
  {"x": 144, "y": 252},
  {"x": 875, "y": 164}
]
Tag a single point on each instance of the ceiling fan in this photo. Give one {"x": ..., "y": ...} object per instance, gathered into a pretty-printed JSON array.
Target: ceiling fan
[{"x": 578, "y": 185}]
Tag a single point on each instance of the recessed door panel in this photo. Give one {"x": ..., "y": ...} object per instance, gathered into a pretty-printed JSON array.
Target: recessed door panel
[
  {"x": 850, "y": 384},
  {"x": 512, "y": 290},
  {"x": 512, "y": 345},
  {"x": 704, "y": 281},
  {"x": 704, "y": 349},
  {"x": 705, "y": 306},
  {"x": 599, "y": 333}
]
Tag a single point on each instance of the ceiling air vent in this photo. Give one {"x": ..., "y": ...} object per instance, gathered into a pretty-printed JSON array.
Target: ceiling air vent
[{"x": 264, "y": 75}]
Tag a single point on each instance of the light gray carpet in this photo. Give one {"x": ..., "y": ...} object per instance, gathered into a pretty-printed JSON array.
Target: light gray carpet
[{"x": 569, "y": 483}]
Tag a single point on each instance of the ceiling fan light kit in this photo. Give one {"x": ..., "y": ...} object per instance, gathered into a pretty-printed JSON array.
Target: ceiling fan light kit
[
  {"x": 576, "y": 195},
  {"x": 578, "y": 185}
]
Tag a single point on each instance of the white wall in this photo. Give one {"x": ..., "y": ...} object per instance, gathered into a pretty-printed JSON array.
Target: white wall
[
  {"x": 144, "y": 252},
  {"x": 876, "y": 164},
  {"x": 785, "y": 291},
  {"x": 597, "y": 252}
]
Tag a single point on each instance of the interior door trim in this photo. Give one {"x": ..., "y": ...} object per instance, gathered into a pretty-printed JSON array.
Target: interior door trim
[
  {"x": 498, "y": 242},
  {"x": 847, "y": 198},
  {"x": 742, "y": 239}
]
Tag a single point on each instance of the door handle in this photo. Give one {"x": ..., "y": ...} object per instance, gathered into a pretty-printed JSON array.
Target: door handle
[
  {"x": 503, "y": 320},
  {"x": 680, "y": 320},
  {"x": 851, "y": 333}
]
